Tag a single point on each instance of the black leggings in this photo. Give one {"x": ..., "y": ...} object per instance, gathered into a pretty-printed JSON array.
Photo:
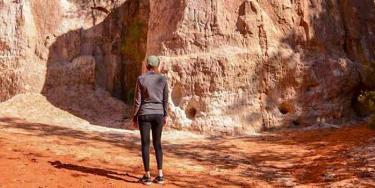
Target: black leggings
[{"x": 155, "y": 123}]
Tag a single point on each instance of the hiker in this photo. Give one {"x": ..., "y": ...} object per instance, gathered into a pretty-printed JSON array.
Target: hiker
[{"x": 150, "y": 112}]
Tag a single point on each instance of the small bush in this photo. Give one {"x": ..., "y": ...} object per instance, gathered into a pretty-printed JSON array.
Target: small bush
[
  {"x": 129, "y": 97},
  {"x": 368, "y": 100},
  {"x": 371, "y": 123}
]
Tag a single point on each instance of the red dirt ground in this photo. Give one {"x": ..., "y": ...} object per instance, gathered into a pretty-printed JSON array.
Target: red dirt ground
[{"x": 43, "y": 155}]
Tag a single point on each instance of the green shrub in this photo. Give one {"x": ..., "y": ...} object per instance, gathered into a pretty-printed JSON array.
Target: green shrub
[
  {"x": 129, "y": 97},
  {"x": 368, "y": 100},
  {"x": 371, "y": 123}
]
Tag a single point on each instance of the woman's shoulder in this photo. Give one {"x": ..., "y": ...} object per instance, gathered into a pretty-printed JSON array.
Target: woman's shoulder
[
  {"x": 162, "y": 76},
  {"x": 143, "y": 75},
  {"x": 158, "y": 75}
]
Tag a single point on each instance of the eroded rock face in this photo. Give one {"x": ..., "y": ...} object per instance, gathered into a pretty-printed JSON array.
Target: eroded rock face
[
  {"x": 234, "y": 66},
  {"x": 36, "y": 34},
  {"x": 246, "y": 65},
  {"x": 57, "y": 48}
]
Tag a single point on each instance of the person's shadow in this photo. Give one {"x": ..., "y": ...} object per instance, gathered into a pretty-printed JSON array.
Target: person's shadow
[{"x": 95, "y": 171}]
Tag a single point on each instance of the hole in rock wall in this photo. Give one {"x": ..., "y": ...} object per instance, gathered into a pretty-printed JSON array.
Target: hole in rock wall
[
  {"x": 285, "y": 108},
  {"x": 191, "y": 112},
  {"x": 296, "y": 122}
]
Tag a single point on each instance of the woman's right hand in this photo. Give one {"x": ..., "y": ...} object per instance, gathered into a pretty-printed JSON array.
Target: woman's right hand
[
  {"x": 135, "y": 122},
  {"x": 165, "y": 121}
]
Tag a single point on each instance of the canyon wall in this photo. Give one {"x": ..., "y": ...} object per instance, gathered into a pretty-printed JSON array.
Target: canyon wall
[
  {"x": 237, "y": 66},
  {"x": 248, "y": 65}
]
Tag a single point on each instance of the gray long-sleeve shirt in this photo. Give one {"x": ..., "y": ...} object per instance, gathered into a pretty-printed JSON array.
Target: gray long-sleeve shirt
[{"x": 151, "y": 94}]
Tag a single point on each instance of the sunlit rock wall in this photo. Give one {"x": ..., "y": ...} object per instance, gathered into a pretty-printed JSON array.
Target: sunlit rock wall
[
  {"x": 237, "y": 66},
  {"x": 247, "y": 65}
]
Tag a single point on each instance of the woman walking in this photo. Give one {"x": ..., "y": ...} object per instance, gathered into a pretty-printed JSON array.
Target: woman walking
[{"x": 150, "y": 113}]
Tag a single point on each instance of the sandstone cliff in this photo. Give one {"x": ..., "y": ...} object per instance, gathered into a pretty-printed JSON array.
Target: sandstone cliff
[
  {"x": 249, "y": 65},
  {"x": 233, "y": 66}
]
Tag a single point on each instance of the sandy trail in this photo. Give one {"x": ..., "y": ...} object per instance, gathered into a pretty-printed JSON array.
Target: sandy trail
[{"x": 39, "y": 150}]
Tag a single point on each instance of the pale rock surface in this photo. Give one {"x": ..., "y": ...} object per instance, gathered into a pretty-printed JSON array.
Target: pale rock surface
[
  {"x": 30, "y": 32},
  {"x": 40, "y": 52}
]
